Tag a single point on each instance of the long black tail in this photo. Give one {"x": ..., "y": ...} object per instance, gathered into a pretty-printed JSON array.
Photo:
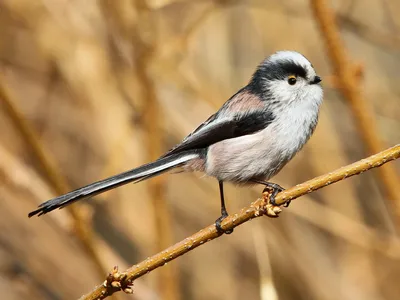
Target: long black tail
[{"x": 141, "y": 173}]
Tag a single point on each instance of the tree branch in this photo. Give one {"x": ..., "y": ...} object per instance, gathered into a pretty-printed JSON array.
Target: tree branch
[{"x": 122, "y": 281}]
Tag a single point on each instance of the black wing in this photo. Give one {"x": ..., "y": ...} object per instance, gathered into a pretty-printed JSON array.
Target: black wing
[{"x": 214, "y": 130}]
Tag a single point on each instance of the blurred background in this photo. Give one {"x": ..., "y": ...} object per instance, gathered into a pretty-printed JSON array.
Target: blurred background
[{"x": 89, "y": 89}]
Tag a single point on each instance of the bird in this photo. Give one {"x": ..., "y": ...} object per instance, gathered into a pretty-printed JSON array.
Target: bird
[{"x": 253, "y": 135}]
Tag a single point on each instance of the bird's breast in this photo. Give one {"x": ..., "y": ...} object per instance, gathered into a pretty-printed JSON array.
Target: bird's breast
[{"x": 262, "y": 154}]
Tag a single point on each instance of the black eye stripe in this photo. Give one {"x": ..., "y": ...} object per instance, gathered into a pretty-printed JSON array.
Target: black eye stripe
[
  {"x": 292, "y": 68},
  {"x": 275, "y": 70},
  {"x": 280, "y": 70}
]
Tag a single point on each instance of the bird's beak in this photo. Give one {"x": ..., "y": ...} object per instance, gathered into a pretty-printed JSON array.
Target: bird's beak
[{"x": 316, "y": 80}]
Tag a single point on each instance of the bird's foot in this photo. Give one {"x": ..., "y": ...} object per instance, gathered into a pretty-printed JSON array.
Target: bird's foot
[
  {"x": 274, "y": 189},
  {"x": 218, "y": 221}
]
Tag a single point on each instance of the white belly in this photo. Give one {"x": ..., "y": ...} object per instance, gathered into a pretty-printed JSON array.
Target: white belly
[{"x": 263, "y": 154}]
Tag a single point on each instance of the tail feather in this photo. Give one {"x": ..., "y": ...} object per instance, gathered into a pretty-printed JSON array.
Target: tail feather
[{"x": 135, "y": 175}]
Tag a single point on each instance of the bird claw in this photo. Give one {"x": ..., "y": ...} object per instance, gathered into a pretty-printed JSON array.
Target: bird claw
[
  {"x": 220, "y": 230},
  {"x": 268, "y": 206},
  {"x": 274, "y": 189}
]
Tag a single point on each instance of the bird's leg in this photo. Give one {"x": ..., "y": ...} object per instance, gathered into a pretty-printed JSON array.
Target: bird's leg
[
  {"x": 276, "y": 188},
  {"x": 224, "y": 213}
]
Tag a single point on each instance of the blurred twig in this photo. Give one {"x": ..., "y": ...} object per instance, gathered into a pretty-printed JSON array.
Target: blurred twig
[
  {"x": 168, "y": 281},
  {"x": 51, "y": 172},
  {"x": 267, "y": 286},
  {"x": 138, "y": 28},
  {"x": 256, "y": 209},
  {"x": 349, "y": 85}
]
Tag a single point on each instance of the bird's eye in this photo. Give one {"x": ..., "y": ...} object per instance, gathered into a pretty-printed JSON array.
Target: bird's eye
[{"x": 292, "y": 80}]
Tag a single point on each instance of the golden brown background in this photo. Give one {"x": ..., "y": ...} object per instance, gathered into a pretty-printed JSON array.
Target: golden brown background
[{"x": 98, "y": 87}]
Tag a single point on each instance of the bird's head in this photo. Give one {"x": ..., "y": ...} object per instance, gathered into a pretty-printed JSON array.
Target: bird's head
[{"x": 285, "y": 78}]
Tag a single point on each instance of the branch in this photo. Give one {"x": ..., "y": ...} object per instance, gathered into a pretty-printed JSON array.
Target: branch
[
  {"x": 123, "y": 281},
  {"x": 349, "y": 85}
]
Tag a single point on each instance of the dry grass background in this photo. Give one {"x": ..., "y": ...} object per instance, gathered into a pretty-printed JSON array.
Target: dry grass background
[{"x": 107, "y": 85}]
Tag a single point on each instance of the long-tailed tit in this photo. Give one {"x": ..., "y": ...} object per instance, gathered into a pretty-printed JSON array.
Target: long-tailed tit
[{"x": 247, "y": 141}]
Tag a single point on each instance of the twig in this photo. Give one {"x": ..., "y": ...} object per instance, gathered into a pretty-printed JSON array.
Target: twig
[
  {"x": 168, "y": 281},
  {"x": 268, "y": 289},
  {"x": 256, "y": 209},
  {"x": 349, "y": 86},
  {"x": 48, "y": 165}
]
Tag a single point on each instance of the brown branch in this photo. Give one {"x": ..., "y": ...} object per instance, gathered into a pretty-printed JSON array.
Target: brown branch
[
  {"x": 117, "y": 281},
  {"x": 50, "y": 170},
  {"x": 333, "y": 81},
  {"x": 349, "y": 86}
]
